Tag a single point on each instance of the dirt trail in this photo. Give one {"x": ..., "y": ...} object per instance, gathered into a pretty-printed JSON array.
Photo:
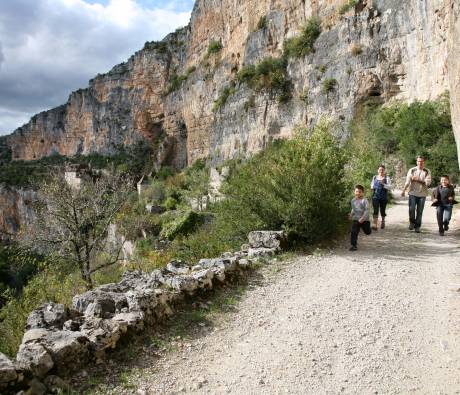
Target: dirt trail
[{"x": 382, "y": 320}]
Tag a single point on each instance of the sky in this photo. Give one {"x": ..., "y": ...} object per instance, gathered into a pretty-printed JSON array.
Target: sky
[{"x": 49, "y": 48}]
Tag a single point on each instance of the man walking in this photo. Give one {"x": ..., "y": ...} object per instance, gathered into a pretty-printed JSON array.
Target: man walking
[{"x": 417, "y": 181}]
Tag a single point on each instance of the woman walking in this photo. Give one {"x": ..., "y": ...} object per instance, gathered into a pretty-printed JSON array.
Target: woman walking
[{"x": 380, "y": 186}]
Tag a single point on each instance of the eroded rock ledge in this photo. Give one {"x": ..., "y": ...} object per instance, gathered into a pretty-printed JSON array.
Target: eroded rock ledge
[{"x": 59, "y": 340}]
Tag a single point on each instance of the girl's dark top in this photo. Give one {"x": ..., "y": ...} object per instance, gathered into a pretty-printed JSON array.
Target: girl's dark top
[{"x": 380, "y": 191}]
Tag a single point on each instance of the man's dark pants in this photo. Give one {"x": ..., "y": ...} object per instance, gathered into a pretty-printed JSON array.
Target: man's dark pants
[
  {"x": 416, "y": 206},
  {"x": 355, "y": 228}
]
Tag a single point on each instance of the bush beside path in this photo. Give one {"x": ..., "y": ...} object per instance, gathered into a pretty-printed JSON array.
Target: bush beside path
[{"x": 381, "y": 320}]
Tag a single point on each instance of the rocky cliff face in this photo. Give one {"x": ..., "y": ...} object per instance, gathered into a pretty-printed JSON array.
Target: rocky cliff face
[
  {"x": 454, "y": 68},
  {"x": 387, "y": 49},
  {"x": 16, "y": 210}
]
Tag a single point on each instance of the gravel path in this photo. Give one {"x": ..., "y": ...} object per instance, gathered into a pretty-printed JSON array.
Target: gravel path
[{"x": 382, "y": 320}]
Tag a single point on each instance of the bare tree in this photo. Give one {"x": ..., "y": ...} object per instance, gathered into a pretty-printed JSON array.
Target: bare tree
[{"x": 73, "y": 223}]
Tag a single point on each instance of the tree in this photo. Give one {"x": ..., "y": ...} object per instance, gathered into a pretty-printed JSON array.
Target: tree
[
  {"x": 197, "y": 180},
  {"x": 73, "y": 223}
]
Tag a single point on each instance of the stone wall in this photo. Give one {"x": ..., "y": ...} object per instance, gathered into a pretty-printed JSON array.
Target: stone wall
[{"x": 59, "y": 340}]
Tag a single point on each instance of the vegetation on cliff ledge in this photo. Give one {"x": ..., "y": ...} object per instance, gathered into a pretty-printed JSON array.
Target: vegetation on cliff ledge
[{"x": 303, "y": 44}]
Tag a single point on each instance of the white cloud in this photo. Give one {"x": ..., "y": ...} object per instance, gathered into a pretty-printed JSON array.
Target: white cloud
[{"x": 51, "y": 47}]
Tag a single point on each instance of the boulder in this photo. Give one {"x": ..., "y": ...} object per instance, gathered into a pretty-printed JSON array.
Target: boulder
[
  {"x": 34, "y": 358},
  {"x": 178, "y": 267},
  {"x": 129, "y": 320},
  {"x": 99, "y": 304},
  {"x": 267, "y": 239},
  {"x": 101, "y": 333},
  {"x": 180, "y": 283},
  {"x": 261, "y": 252},
  {"x": 7, "y": 371},
  {"x": 142, "y": 299},
  {"x": 48, "y": 315},
  {"x": 204, "y": 278}
]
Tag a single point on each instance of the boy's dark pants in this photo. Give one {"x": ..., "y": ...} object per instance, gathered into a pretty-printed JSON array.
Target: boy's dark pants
[
  {"x": 355, "y": 228},
  {"x": 443, "y": 214}
]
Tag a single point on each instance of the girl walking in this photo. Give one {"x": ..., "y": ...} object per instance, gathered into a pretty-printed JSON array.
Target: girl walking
[{"x": 380, "y": 186}]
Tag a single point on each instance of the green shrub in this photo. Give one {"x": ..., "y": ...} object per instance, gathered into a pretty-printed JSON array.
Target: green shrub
[
  {"x": 356, "y": 49},
  {"x": 176, "y": 82},
  {"x": 223, "y": 97},
  {"x": 270, "y": 75},
  {"x": 247, "y": 74},
  {"x": 250, "y": 103},
  {"x": 262, "y": 24},
  {"x": 182, "y": 225},
  {"x": 285, "y": 186},
  {"x": 165, "y": 172},
  {"x": 155, "y": 193},
  {"x": 53, "y": 283},
  {"x": 190, "y": 70},
  {"x": 304, "y": 96},
  {"x": 329, "y": 84},
  {"x": 347, "y": 6},
  {"x": 214, "y": 47},
  {"x": 302, "y": 45},
  {"x": 170, "y": 203}
]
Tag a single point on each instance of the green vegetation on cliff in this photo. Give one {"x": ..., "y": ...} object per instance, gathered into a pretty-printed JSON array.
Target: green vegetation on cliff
[{"x": 131, "y": 160}]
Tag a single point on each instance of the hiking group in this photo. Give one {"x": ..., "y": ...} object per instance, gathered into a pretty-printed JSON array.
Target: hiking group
[{"x": 417, "y": 182}]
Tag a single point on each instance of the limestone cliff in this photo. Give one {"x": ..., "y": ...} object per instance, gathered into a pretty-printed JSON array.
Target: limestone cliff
[
  {"x": 389, "y": 49},
  {"x": 16, "y": 210}
]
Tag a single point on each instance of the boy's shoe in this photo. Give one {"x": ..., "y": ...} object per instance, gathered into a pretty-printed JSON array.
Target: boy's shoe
[
  {"x": 353, "y": 248},
  {"x": 441, "y": 233},
  {"x": 417, "y": 230},
  {"x": 382, "y": 224},
  {"x": 446, "y": 226},
  {"x": 411, "y": 226}
]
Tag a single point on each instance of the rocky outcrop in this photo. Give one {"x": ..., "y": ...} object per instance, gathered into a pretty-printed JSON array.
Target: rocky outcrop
[
  {"x": 59, "y": 340},
  {"x": 385, "y": 49},
  {"x": 16, "y": 208},
  {"x": 454, "y": 68}
]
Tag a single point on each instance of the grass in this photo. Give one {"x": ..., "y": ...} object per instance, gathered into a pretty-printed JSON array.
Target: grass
[
  {"x": 329, "y": 85},
  {"x": 302, "y": 45},
  {"x": 223, "y": 97},
  {"x": 262, "y": 24},
  {"x": 356, "y": 49},
  {"x": 347, "y": 6}
]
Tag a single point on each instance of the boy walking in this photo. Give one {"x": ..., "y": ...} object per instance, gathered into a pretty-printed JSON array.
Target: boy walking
[
  {"x": 443, "y": 199},
  {"x": 359, "y": 216}
]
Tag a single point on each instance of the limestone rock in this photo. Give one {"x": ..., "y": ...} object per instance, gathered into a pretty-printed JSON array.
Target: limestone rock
[
  {"x": 262, "y": 252},
  {"x": 7, "y": 371},
  {"x": 178, "y": 267},
  {"x": 49, "y": 315},
  {"x": 99, "y": 304},
  {"x": 34, "y": 358},
  {"x": 266, "y": 239}
]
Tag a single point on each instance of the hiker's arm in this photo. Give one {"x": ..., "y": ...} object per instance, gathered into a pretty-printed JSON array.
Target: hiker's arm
[
  {"x": 388, "y": 183},
  {"x": 366, "y": 211},
  {"x": 408, "y": 181},
  {"x": 428, "y": 178}
]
